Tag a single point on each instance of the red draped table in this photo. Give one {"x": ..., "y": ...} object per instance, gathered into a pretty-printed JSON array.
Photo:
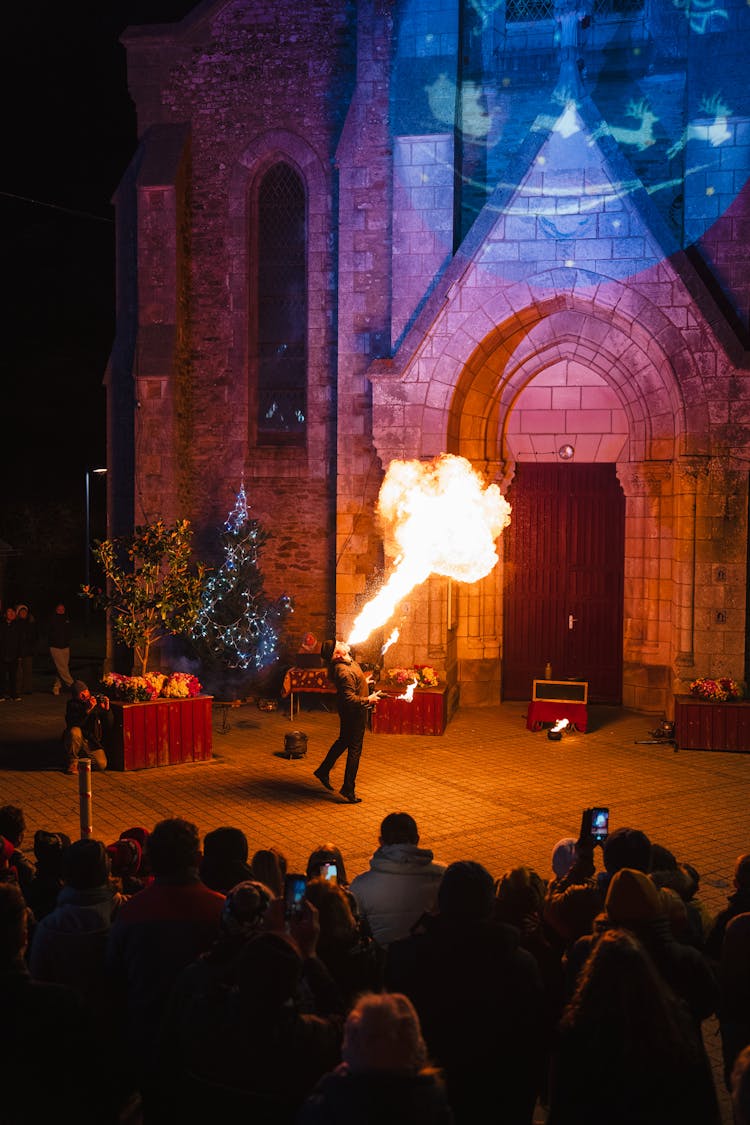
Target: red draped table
[
  {"x": 299, "y": 680},
  {"x": 426, "y": 714},
  {"x": 549, "y": 711}
]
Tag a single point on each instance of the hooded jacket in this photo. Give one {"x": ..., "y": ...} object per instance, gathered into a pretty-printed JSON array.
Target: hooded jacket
[
  {"x": 68, "y": 945},
  {"x": 399, "y": 888}
]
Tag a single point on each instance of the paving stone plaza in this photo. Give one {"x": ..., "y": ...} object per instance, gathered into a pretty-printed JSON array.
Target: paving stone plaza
[{"x": 488, "y": 789}]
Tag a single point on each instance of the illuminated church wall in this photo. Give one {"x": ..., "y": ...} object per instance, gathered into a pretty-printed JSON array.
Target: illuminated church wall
[
  {"x": 224, "y": 90},
  {"x": 527, "y": 226}
]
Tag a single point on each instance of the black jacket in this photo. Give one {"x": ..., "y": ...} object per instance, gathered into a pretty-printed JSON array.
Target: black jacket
[
  {"x": 10, "y": 639},
  {"x": 59, "y": 631},
  {"x": 480, "y": 1002}
]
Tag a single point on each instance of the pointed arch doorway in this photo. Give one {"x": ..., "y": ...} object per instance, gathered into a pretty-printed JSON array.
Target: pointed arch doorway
[{"x": 563, "y": 578}]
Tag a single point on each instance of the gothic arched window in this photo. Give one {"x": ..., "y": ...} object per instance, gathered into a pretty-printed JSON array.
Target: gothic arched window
[{"x": 281, "y": 306}]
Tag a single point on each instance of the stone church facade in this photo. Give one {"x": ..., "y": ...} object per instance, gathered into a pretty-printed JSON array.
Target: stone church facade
[{"x": 516, "y": 232}]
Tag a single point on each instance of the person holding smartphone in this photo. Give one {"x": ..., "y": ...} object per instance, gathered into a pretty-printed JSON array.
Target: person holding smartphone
[{"x": 353, "y": 697}]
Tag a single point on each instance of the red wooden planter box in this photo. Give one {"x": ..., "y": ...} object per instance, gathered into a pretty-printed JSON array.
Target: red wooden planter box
[
  {"x": 426, "y": 714},
  {"x": 165, "y": 732},
  {"x": 702, "y": 725}
]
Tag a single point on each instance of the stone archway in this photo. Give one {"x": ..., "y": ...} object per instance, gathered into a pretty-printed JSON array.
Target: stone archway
[
  {"x": 586, "y": 379},
  {"x": 461, "y": 387}
]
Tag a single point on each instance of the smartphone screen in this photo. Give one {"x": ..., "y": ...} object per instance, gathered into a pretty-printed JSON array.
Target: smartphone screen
[
  {"x": 600, "y": 824},
  {"x": 329, "y": 871},
  {"x": 294, "y": 894}
]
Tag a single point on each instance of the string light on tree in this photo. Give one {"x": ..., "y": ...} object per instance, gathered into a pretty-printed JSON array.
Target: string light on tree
[{"x": 238, "y": 624}]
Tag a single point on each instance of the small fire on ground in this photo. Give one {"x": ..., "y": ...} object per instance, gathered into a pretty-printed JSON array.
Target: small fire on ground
[{"x": 444, "y": 520}]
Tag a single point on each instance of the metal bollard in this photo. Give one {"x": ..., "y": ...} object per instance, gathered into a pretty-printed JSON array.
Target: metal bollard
[{"x": 84, "y": 797}]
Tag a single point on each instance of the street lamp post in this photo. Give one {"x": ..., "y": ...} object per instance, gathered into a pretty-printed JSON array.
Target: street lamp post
[{"x": 87, "y": 557}]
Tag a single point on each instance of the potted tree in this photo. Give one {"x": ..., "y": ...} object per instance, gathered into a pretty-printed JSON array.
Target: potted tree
[{"x": 153, "y": 590}]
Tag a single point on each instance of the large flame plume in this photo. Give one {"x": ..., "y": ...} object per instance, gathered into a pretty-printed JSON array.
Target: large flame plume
[{"x": 445, "y": 521}]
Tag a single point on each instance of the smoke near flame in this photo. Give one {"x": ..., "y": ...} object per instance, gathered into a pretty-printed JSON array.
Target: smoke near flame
[{"x": 444, "y": 520}]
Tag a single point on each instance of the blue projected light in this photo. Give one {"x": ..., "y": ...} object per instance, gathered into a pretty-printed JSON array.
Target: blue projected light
[
  {"x": 702, "y": 15},
  {"x": 554, "y": 111}
]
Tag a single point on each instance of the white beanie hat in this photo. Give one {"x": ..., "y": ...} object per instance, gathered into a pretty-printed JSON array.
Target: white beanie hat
[{"x": 564, "y": 855}]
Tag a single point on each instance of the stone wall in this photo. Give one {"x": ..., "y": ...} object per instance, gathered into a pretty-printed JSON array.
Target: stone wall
[
  {"x": 557, "y": 306},
  {"x": 251, "y": 85}
]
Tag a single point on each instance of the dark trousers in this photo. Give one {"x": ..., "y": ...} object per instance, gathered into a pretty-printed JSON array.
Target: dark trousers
[
  {"x": 353, "y": 722},
  {"x": 25, "y": 674},
  {"x": 9, "y": 678}
]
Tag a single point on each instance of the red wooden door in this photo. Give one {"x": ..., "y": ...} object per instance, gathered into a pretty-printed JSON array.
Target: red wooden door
[{"x": 564, "y": 565}]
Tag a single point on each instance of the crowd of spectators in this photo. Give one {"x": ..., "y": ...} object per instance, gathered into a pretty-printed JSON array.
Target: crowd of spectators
[{"x": 169, "y": 978}]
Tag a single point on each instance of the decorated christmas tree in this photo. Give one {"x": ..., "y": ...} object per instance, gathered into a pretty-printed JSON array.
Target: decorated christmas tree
[{"x": 238, "y": 625}]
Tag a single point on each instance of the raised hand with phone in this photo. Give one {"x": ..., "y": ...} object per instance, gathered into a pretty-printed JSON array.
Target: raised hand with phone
[
  {"x": 295, "y": 917},
  {"x": 594, "y": 825}
]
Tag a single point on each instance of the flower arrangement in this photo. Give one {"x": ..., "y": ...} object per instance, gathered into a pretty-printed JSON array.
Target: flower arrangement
[
  {"x": 716, "y": 691},
  {"x": 152, "y": 685},
  {"x": 425, "y": 676},
  {"x": 181, "y": 685}
]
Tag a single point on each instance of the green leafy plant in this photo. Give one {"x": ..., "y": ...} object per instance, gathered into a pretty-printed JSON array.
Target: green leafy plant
[{"x": 153, "y": 588}]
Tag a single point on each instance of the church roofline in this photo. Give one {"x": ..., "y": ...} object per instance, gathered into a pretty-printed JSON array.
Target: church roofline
[
  {"x": 142, "y": 33},
  {"x": 622, "y": 171}
]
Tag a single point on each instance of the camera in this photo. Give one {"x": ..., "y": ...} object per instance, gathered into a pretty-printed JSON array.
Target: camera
[
  {"x": 329, "y": 871},
  {"x": 102, "y": 700},
  {"x": 294, "y": 895}
]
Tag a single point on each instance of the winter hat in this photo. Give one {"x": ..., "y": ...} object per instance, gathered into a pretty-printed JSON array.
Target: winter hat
[
  {"x": 85, "y": 865},
  {"x": 244, "y": 908},
  {"x": 675, "y": 910},
  {"x": 49, "y": 848},
  {"x": 124, "y": 857},
  {"x": 626, "y": 847},
  {"x": 632, "y": 897},
  {"x": 564, "y": 855},
  {"x": 139, "y": 834},
  {"x": 326, "y": 650},
  {"x": 466, "y": 889}
]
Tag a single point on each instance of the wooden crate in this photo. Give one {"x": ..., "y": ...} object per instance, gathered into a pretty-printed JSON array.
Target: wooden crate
[
  {"x": 702, "y": 725},
  {"x": 164, "y": 732}
]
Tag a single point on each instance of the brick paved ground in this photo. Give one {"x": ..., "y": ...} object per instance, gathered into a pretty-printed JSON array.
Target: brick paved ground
[{"x": 487, "y": 789}]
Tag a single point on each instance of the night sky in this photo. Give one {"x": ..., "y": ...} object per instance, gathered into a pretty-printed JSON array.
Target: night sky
[{"x": 69, "y": 133}]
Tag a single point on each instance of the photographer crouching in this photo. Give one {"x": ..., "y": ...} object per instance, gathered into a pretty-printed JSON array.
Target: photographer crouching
[{"x": 88, "y": 723}]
